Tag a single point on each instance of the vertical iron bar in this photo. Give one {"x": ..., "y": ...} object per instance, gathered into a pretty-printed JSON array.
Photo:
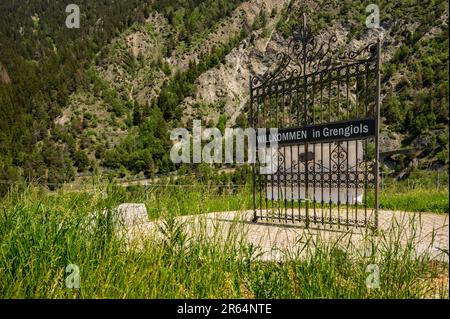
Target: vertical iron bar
[
  {"x": 314, "y": 146},
  {"x": 304, "y": 46},
  {"x": 253, "y": 164},
  {"x": 356, "y": 146},
  {"x": 272, "y": 175},
  {"x": 283, "y": 100},
  {"x": 347, "y": 176},
  {"x": 266, "y": 177},
  {"x": 321, "y": 148},
  {"x": 339, "y": 149},
  {"x": 278, "y": 155},
  {"x": 291, "y": 172},
  {"x": 260, "y": 105},
  {"x": 377, "y": 128},
  {"x": 366, "y": 102},
  {"x": 330, "y": 87},
  {"x": 298, "y": 149}
]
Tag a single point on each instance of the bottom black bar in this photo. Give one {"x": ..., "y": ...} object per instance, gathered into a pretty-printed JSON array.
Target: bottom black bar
[{"x": 216, "y": 308}]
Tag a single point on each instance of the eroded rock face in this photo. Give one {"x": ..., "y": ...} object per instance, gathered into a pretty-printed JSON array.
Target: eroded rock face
[
  {"x": 226, "y": 84},
  {"x": 224, "y": 89},
  {"x": 242, "y": 18}
]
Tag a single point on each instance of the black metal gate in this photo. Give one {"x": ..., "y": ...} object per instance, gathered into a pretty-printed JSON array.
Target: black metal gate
[{"x": 325, "y": 105}]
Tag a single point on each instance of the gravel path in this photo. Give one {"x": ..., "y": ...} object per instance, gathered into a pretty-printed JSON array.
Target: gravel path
[{"x": 426, "y": 232}]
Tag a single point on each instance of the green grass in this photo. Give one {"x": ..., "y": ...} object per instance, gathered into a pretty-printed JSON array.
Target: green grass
[
  {"x": 198, "y": 198},
  {"x": 41, "y": 233},
  {"x": 422, "y": 192},
  {"x": 416, "y": 200}
]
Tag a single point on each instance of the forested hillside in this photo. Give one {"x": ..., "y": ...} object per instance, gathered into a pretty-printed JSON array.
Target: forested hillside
[
  {"x": 102, "y": 98},
  {"x": 46, "y": 62}
]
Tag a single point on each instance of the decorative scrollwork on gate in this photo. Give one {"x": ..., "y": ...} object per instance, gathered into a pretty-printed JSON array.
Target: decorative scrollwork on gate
[
  {"x": 305, "y": 54},
  {"x": 336, "y": 172}
]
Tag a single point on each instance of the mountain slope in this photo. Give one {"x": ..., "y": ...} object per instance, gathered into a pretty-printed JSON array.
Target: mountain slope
[{"x": 103, "y": 98}]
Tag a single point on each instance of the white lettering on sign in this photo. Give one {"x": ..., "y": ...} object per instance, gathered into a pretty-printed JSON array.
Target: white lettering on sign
[
  {"x": 346, "y": 131},
  {"x": 284, "y": 137},
  {"x": 322, "y": 132}
]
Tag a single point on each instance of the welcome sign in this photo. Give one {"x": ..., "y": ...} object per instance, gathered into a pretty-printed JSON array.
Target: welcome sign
[{"x": 348, "y": 130}]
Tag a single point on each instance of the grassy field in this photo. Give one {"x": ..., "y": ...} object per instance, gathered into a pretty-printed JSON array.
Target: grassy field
[
  {"x": 421, "y": 192},
  {"x": 195, "y": 199},
  {"x": 41, "y": 233}
]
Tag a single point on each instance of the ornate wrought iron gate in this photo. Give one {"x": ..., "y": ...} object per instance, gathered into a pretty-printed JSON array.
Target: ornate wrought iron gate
[{"x": 325, "y": 105}]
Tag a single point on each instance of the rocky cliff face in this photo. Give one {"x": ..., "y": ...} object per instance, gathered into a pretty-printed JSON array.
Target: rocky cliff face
[
  {"x": 224, "y": 89},
  {"x": 242, "y": 19}
]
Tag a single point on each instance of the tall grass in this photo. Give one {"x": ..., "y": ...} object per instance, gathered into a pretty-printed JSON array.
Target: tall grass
[
  {"x": 423, "y": 191},
  {"x": 40, "y": 234},
  {"x": 414, "y": 200}
]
